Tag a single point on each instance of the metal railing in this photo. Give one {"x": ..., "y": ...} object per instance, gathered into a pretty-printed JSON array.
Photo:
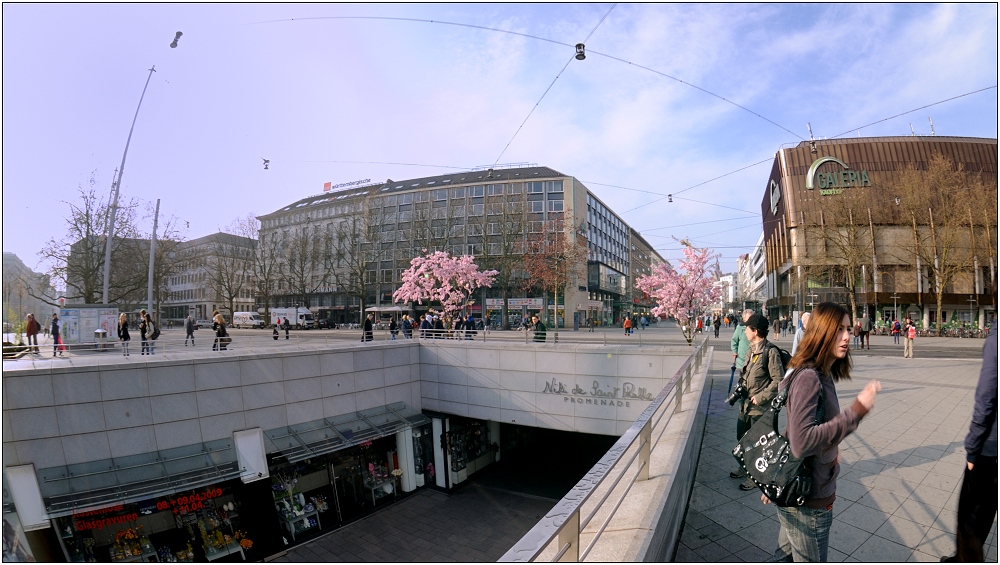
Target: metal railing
[{"x": 628, "y": 460}]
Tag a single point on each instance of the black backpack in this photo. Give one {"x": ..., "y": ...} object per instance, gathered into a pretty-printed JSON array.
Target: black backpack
[
  {"x": 767, "y": 457},
  {"x": 156, "y": 332},
  {"x": 785, "y": 356}
]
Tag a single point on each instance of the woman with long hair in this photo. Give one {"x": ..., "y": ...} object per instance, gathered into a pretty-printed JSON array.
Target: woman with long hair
[
  {"x": 123, "y": 335},
  {"x": 823, "y": 358}
]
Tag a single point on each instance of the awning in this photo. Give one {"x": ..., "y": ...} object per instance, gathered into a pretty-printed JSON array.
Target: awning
[
  {"x": 135, "y": 478},
  {"x": 318, "y": 437},
  {"x": 387, "y": 309}
]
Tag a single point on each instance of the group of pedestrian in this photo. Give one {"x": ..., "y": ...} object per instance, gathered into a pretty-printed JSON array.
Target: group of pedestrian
[{"x": 816, "y": 424}]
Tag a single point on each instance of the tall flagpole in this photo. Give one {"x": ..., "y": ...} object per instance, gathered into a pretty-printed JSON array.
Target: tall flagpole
[{"x": 114, "y": 201}]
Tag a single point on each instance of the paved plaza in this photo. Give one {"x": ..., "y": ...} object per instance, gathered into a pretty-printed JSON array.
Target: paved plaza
[{"x": 900, "y": 476}]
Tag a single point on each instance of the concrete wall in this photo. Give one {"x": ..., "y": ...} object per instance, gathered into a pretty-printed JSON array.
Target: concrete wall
[
  {"x": 91, "y": 408},
  {"x": 513, "y": 382}
]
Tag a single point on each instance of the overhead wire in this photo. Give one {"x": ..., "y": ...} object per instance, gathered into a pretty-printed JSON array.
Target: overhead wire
[{"x": 559, "y": 74}]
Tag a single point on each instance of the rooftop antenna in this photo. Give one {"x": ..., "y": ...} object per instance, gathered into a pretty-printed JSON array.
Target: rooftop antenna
[
  {"x": 931, "y": 120},
  {"x": 913, "y": 133},
  {"x": 812, "y": 140}
]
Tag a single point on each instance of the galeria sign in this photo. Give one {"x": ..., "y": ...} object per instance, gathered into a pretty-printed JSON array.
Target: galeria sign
[{"x": 834, "y": 182}]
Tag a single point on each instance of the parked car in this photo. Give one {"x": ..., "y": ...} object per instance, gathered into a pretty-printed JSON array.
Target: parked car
[
  {"x": 198, "y": 324},
  {"x": 324, "y": 323}
]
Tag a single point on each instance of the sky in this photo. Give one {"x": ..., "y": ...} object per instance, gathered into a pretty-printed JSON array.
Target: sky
[{"x": 340, "y": 92}]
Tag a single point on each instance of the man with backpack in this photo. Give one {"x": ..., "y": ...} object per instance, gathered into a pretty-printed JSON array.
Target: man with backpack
[{"x": 761, "y": 371}]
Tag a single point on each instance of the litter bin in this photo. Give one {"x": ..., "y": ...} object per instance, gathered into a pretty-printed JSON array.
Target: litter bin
[{"x": 100, "y": 339}]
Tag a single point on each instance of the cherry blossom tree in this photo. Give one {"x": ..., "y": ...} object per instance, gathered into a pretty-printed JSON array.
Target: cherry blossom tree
[
  {"x": 685, "y": 292},
  {"x": 440, "y": 277}
]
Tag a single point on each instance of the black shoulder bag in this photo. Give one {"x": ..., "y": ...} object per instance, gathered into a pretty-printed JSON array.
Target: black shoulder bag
[{"x": 767, "y": 458}]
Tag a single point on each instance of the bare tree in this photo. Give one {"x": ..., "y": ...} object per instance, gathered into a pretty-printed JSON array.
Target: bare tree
[
  {"x": 942, "y": 244},
  {"x": 303, "y": 261},
  {"x": 501, "y": 231},
  {"x": 264, "y": 268},
  {"x": 557, "y": 259},
  {"x": 356, "y": 247},
  {"x": 230, "y": 265}
]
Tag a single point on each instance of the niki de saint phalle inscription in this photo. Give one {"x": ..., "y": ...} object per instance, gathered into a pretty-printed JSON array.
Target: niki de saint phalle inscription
[{"x": 599, "y": 396}]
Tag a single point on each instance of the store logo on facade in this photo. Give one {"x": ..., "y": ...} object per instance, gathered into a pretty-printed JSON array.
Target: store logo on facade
[
  {"x": 837, "y": 181},
  {"x": 599, "y": 396},
  {"x": 775, "y": 196}
]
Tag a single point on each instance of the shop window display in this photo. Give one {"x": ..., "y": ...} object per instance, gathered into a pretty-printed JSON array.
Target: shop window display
[
  {"x": 469, "y": 448},
  {"x": 196, "y": 525}
]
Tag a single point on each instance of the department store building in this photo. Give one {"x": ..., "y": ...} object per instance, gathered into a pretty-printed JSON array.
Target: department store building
[{"x": 831, "y": 207}]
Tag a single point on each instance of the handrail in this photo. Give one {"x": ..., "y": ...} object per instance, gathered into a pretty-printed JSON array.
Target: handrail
[{"x": 563, "y": 520}]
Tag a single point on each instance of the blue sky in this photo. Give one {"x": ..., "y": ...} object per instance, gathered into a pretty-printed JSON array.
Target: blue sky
[{"x": 289, "y": 83}]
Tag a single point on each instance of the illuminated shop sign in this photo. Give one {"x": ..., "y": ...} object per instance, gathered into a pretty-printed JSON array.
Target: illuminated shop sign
[{"x": 835, "y": 182}]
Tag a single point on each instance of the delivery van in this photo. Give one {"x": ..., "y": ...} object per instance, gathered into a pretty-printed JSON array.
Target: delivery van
[{"x": 248, "y": 320}]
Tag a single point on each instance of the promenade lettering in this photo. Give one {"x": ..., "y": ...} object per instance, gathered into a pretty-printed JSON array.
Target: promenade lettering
[{"x": 597, "y": 395}]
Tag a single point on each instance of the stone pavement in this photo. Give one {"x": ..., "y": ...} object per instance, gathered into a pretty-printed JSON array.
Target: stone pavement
[
  {"x": 900, "y": 476},
  {"x": 473, "y": 524}
]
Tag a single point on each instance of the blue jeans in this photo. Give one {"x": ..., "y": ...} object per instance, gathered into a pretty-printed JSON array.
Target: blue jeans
[{"x": 804, "y": 534}]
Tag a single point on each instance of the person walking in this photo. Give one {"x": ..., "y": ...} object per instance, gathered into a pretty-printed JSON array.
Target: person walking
[
  {"x": 57, "y": 342},
  {"x": 823, "y": 359},
  {"x": 539, "y": 329},
  {"x": 153, "y": 333},
  {"x": 439, "y": 329},
  {"x": 123, "y": 335},
  {"x": 739, "y": 344},
  {"x": 784, "y": 325},
  {"x": 777, "y": 328},
  {"x": 144, "y": 331},
  {"x": 287, "y": 327},
  {"x": 896, "y": 330},
  {"x": 911, "y": 334},
  {"x": 393, "y": 329},
  {"x": 368, "y": 329},
  {"x": 407, "y": 327},
  {"x": 803, "y": 324},
  {"x": 189, "y": 331},
  {"x": 31, "y": 332},
  {"x": 759, "y": 375},
  {"x": 857, "y": 335},
  {"x": 866, "y": 330},
  {"x": 627, "y": 325},
  {"x": 977, "y": 502},
  {"x": 718, "y": 324}
]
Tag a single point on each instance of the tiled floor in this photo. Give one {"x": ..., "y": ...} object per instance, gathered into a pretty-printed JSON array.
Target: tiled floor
[
  {"x": 474, "y": 524},
  {"x": 899, "y": 480}
]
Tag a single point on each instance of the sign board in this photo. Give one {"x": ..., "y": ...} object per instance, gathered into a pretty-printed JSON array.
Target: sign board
[
  {"x": 78, "y": 324},
  {"x": 514, "y": 302}
]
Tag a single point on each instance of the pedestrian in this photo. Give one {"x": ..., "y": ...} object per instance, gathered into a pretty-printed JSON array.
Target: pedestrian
[
  {"x": 700, "y": 325},
  {"x": 857, "y": 335},
  {"x": 762, "y": 369},
  {"x": 470, "y": 327},
  {"x": 977, "y": 501},
  {"x": 393, "y": 329},
  {"x": 777, "y": 328},
  {"x": 822, "y": 360},
  {"x": 627, "y": 325},
  {"x": 221, "y": 335},
  {"x": 425, "y": 326},
  {"x": 896, "y": 330},
  {"x": 739, "y": 344},
  {"x": 144, "y": 331},
  {"x": 287, "y": 327},
  {"x": 31, "y": 331},
  {"x": 153, "y": 333},
  {"x": 866, "y": 330},
  {"x": 189, "y": 331},
  {"x": 123, "y": 335},
  {"x": 57, "y": 342},
  {"x": 718, "y": 324},
  {"x": 643, "y": 322},
  {"x": 911, "y": 334},
  {"x": 368, "y": 329},
  {"x": 407, "y": 327},
  {"x": 803, "y": 324},
  {"x": 539, "y": 329},
  {"x": 274, "y": 333},
  {"x": 784, "y": 325}
]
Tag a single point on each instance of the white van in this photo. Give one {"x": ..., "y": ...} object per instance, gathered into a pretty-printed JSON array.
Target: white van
[{"x": 248, "y": 320}]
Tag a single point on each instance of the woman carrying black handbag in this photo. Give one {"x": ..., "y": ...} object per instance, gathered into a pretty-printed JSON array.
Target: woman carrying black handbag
[{"x": 822, "y": 359}]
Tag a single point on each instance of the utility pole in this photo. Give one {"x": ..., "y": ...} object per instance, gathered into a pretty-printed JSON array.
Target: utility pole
[
  {"x": 114, "y": 201},
  {"x": 152, "y": 259}
]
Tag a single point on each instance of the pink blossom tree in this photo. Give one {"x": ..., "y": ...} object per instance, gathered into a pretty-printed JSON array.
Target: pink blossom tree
[
  {"x": 440, "y": 277},
  {"x": 685, "y": 292}
]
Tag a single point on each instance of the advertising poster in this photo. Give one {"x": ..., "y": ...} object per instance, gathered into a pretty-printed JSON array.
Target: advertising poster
[
  {"x": 15, "y": 545},
  {"x": 108, "y": 318},
  {"x": 69, "y": 319}
]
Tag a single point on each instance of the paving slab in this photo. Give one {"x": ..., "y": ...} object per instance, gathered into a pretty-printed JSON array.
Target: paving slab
[{"x": 901, "y": 471}]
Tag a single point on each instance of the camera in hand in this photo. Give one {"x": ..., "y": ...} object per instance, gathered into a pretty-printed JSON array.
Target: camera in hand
[{"x": 739, "y": 393}]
